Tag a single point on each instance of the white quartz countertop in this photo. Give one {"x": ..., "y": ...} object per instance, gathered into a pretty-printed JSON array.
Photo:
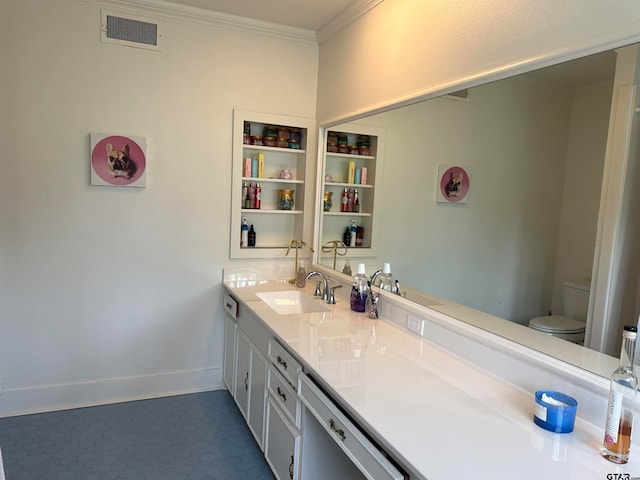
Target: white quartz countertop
[{"x": 439, "y": 415}]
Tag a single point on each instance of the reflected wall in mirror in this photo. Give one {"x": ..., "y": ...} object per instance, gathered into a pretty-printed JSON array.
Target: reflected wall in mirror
[{"x": 536, "y": 146}]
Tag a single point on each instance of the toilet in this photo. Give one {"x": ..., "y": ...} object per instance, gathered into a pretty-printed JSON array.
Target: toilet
[{"x": 571, "y": 325}]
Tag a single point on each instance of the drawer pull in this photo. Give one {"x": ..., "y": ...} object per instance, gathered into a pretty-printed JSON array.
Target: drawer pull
[
  {"x": 282, "y": 394},
  {"x": 339, "y": 431},
  {"x": 291, "y": 468},
  {"x": 246, "y": 382},
  {"x": 228, "y": 306},
  {"x": 282, "y": 362}
]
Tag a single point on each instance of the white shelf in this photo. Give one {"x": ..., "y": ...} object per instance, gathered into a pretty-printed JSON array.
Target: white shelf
[
  {"x": 270, "y": 211},
  {"x": 331, "y": 224},
  {"x": 271, "y": 180},
  {"x": 347, "y": 214},
  {"x": 347, "y": 185},
  {"x": 350, "y": 156},
  {"x": 263, "y": 148},
  {"x": 275, "y": 228}
]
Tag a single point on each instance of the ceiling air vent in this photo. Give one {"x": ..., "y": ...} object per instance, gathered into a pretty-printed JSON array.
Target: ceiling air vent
[{"x": 133, "y": 32}]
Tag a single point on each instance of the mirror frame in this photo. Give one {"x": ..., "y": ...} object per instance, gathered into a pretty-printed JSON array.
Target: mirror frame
[{"x": 606, "y": 250}]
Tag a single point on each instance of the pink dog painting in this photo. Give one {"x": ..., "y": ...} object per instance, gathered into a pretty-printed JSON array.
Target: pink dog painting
[{"x": 118, "y": 160}]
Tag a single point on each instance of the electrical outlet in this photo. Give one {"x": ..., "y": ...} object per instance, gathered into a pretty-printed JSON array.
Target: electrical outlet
[{"x": 415, "y": 325}]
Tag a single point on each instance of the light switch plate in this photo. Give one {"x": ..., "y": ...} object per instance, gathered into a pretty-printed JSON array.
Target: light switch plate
[{"x": 415, "y": 325}]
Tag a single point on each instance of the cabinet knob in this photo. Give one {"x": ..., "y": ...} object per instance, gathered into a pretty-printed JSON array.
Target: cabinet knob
[
  {"x": 246, "y": 382},
  {"x": 339, "y": 431},
  {"x": 282, "y": 394},
  {"x": 282, "y": 362}
]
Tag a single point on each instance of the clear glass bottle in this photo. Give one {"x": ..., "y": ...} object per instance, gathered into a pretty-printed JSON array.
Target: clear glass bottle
[
  {"x": 359, "y": 290},
  {"x": 386, "y": 279},
  {"x": 622, "y": 396}
]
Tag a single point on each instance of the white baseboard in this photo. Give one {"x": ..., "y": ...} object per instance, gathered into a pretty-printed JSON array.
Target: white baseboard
[{"x": 47, "y": 398}]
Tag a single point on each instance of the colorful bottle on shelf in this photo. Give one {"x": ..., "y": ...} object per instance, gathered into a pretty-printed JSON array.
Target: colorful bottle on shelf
[
  {"x": 258, "y": 196},
  {"x": 244, "y": 233},
  {"x": 346, "y": 237},
  {"x": 344, "y": 201},
  {"x": 251, "y": 241},
  {"x": 622, "y": 397}
]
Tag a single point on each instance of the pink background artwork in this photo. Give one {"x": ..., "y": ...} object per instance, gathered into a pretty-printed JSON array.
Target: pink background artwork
[
  {"x": 100, "y": 174},
  {"x": 453, "y": 184}
]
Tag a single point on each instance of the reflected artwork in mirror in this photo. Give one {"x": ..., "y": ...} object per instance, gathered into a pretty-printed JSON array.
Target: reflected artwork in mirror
[{"x": 536, "y": 144}]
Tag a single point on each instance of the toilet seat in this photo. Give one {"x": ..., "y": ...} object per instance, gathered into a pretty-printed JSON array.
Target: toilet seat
[{"x": 557, "y": 324}]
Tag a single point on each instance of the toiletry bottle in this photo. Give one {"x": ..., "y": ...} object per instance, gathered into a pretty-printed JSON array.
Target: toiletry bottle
[
  {"x": 258, "y": 195},
  {"x": 356, "y": 201},
  {"x": 386, "y": 279},
  {"x": 350, "y": 201},
  {"x": 244, "y": 233},
  {"x": 245, "y": 191},
  {"x": 347, "y": 268},
  {"x": 622, "y": 395},
  {"x": 346, "y": 238},
  {"x": 359, "y": 289},
  {"x": 252, "y": 195},
  {"x": 247, "y": 198},
  {"x": 344, "y": 200},
  {"x": 352, "y": 233},
  {"x": 252, "y": 237}
]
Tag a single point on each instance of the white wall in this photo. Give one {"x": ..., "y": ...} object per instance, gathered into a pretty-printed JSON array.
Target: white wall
[
  {"x": 113, "y": 293},
  {"x": 582, "y": 186},
  {"x": 406, "y": 48}
]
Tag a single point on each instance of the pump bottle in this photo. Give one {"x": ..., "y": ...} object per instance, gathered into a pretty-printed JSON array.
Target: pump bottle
[
  {"x": 359, "y": 290},
  {"x": 386, "y": 279}
]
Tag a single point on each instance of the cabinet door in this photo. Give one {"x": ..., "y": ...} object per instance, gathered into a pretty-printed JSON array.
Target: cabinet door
[
  {"x": 243, "y": 363},
  {"x": 230, "y": 332},
  {"x": 282, "y": 444},
  {"x": 257, "y": 395}
]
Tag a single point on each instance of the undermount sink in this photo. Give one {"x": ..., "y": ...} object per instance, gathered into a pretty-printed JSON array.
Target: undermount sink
[{"x": 289, "y": 302}]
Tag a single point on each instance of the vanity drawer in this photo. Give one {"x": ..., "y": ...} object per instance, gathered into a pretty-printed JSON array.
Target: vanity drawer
[
  {"x": 364, "y": 454},
  {"x": 285, "y": 363},
  {"x": 231, "y": 305},
  {"x": 284, "y": 395}
]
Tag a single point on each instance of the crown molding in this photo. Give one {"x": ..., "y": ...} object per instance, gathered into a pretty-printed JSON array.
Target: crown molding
[
  {"x": 350, "y": 14},
  {"x": 168, "y": 9}
]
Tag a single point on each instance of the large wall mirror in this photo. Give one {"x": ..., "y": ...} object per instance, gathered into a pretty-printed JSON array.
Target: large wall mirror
[{"x": 534, "y": 148}]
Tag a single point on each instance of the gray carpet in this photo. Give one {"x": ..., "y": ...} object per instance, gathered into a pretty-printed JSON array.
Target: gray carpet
[{"x": 196, "y": 436}]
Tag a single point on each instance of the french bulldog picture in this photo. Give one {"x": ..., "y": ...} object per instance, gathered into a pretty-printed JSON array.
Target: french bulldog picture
[
  {"x": 452, "y": 188},
  {"x": 119, "y": 163}
]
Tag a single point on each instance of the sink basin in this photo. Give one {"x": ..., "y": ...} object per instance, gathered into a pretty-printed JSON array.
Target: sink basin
[{"x": 290, "y": 302}]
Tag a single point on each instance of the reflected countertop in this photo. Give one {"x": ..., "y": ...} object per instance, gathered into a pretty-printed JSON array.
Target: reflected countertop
[{"x": 436, "y": 413}]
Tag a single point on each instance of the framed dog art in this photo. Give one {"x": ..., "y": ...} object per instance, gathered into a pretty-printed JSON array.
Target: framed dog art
[
  {"x": 118, "y": 161},
  {"x": 453, "y": 184}
]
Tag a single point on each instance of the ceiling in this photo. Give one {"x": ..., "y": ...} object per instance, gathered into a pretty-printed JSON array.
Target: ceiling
[{"x": 307, "y": 14}]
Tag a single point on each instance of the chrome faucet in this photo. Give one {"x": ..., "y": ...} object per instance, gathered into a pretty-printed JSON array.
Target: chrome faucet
[
  {"x": 325, "y": 284},
  {"x": 375, "y": 276},
  {"x": 372, "y": 301}
]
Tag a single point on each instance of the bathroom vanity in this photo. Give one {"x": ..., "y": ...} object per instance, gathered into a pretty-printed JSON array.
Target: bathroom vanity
[{"x": 330, "y": 393}]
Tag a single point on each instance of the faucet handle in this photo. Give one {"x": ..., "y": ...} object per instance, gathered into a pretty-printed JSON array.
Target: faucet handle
[
  {"x": 318, "y": 292},
  {"x": 332, "y": 297}
]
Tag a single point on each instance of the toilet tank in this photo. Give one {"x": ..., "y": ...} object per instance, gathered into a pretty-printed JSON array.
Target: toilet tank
[{"x": 576, "y": 299}]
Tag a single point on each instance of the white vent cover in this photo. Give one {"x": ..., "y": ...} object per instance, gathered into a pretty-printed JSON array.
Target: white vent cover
[{"x": 133, "y": 32}]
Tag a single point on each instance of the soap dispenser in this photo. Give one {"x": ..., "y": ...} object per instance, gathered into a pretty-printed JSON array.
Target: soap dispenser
[
  {"x": 359, "y": 290},
  {"x": 386, "y": 279}
]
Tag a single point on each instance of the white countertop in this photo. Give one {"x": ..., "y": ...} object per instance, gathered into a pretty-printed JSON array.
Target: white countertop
[{"x": 434, "y": 412}]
